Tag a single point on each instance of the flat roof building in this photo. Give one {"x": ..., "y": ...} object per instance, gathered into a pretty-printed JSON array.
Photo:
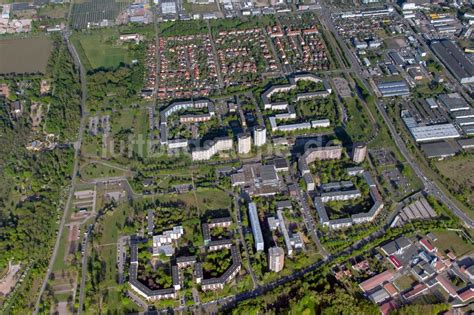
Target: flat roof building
[
  {"x": 440, "y": 149},
  {"x": 256, "y": 230},
  {"x": 393, "y": 88},
  {"x": 454, "y": 59},
  {"x": 453, "y": 102},
  {"x": 466, "y": 143},
  {"x": 434, "y": 132}
]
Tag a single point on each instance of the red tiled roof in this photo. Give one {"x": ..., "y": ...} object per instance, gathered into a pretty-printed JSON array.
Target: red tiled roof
[
  {"x": 439, "y": 266},
  {"x": 426, "y": 244},
  {"x": 387, "y": 307},
  {"x": 395, "y": 262},
  {"x": 371, "y": 283},
  {"x": 417, "y": 289},
  {"x": 447, "y": 285},
  {"x": 451, "y": 255},
  {"x": 390, "y": 288},
  {"x": 467, "y": 295}
]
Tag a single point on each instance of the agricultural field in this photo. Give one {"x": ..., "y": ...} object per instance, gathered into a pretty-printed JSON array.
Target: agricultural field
[
  {"x": 87, "y": 13},
  {"x": 27, "y": 55},
  {"x": 101, "y": 49}
]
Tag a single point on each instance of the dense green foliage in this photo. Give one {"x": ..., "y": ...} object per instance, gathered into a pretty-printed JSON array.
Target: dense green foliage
[
  {"x": 316, "y": 294},
  {"x": 64, "y": 103},
  {"x": 32, "y": 184},
  {"x": 123, "y": 84}
]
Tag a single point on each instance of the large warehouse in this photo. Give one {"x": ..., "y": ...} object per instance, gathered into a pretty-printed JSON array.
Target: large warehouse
[
  {"x": 434, "y": 132},
  {"x": 454, "y": 59}
]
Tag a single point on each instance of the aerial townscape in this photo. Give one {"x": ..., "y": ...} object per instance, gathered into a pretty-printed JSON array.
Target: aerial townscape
[{"x": 237, "y": 157}]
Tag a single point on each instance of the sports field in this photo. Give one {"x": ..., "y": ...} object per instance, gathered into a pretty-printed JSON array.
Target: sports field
[
  {"x": 101, "y": 49},
  {"x": 26, "y": 55}
]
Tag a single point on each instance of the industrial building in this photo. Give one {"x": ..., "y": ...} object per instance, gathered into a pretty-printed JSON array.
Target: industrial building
[
  {"x": 466, "y": 143},
  {"x": 453, "y": 102},
  {"x": 454, "y": 59},
  {"x": 394, "y": 88},
  {"x": 439, "y": 149},
  {"x": 434, "y": 132}
]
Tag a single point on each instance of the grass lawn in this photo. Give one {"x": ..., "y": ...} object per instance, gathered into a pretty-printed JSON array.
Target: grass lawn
[
  {"x": 59, "y": 263},
  {"x": 404, "y": 282},
  {"x": 207, "y": 199},
  {"x": 200, "y": 8},
  {"x": 459, "y": 170},
  {"x": 450, "y": 240},
  {"x": 97, "y": 170},
  {"x": 101, "y": 49},
  {"x": 357, "y": 126},
  {"x": 54, "y": 12}
]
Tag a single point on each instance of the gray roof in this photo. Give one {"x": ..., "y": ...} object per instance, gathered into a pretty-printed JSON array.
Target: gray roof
[
  {"x": 284, "y": 204},
  {"x": 439, "y": 149},
  {"x": 453, "y": 101},
  {"x": 402, "y": 242},
  {"x": 466, "y": 143},
  {"x": 453, "y": 58},
  {"x": 186, "y": 259},
  {"x": 390, "y": 248},
  {"x": 268, "y": 173},
  {"x": 323, "y": 216},
  {"x": 151, "y": 221}
]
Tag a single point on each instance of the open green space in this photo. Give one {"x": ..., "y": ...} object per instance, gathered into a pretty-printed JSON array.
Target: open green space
[
  {"x": 53, "y": 11},
  {"x": 404, "y": 282},
  {"x": 101, "y": 49},
  {"x": 196, "y": 8},
  {"x": 357, "y": 126},
  {"x": 452, "y": 241},
  {"x": 204, "y": 199},
  {"x": 59, "y": 263},
  {"x": 91, "y": 170},
  {"x": 458, "y": 172}
]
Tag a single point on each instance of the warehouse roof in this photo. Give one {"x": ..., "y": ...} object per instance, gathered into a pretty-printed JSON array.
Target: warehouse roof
[
  {"x": 454, "y": 102},
  {"x": 454, "y": 59},
  {"x": 434, "y": 132},
  {"x": 439, "y": 149}
]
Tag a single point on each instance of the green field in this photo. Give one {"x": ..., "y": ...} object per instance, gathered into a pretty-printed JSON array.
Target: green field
[
  {"x": 101, "y": 49},
  {"x": 358, "y": 126},
  {"x": 459, "y": 171},
  {"x": 450, "y": 240},
  {"x": 207, "y": 199},
  {"x": 98, "y": 170}
]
